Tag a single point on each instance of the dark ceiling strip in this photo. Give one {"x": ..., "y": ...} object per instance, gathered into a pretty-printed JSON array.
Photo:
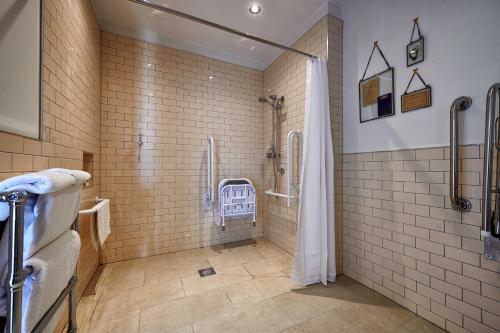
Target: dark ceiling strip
[{"x": 218, "y": 26}]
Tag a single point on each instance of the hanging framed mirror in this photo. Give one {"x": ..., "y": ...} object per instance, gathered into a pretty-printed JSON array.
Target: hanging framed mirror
[
  {"x": 417, "y": 99},
  {"x": 376, "y": 93},
  {"x": 21, "y": 39},
  {"x": 415, "y": 49}
]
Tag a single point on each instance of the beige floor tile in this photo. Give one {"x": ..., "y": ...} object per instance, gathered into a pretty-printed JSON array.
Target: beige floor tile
[
  {"x": 279, "y": 265},
  {"x": 419, "y": 325},
  {"x": 300, "y": 306},
  {"x": 120, "y": 276},
  {"x": 169, "y": 316},
  {"x": 185, "y": 329},
  {"x": 237, "y": 246},
  {"x": 128, "y": 323},
  {"x": 273, "y": 286},
  {"x": 244, "y": 293},
  {"x": 234, "y": 270},
  {"x": 263, "y": 317},
  {"x": 112, "y": 304},
  {"x": 195, "y": 284},
  {"x": 235, "y": 257},
  {"x": 157, "y": 274},
  {"x": 85, "y": 309},
  {"x": 204, "y": 252},
  {"x": 268, "y": 249},
  {"x": 250, "y": 292},
  {"x": 177, "y": 261},
  {"x": 324, "y": 324}
]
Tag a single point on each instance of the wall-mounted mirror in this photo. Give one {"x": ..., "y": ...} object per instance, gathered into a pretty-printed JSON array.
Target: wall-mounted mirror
[
  {"x": 20, "y": 67},
  {"x": 376, "y": 96}
]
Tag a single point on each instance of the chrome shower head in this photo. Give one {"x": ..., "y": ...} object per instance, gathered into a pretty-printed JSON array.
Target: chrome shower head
[
  {"x": 273, "y": 97},
  {"x": 462, "y": 103}
]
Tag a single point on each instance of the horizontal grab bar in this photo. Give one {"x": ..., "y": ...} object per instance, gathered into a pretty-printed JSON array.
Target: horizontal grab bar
[
  {"x": 279, "y": 195},
  {"x": 94, "y": 208}
]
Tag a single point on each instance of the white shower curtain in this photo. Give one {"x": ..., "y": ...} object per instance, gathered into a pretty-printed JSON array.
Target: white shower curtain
[{"x": 314, "y": 259}]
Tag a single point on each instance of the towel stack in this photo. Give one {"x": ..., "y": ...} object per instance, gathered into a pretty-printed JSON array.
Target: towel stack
[{"x": 50, "y": 248}]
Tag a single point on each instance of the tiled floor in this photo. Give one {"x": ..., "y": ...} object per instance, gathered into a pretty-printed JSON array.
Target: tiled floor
[{"x": 251, "y": 292}]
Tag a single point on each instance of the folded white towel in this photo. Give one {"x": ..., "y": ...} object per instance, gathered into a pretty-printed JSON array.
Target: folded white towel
[
  {"x": 41, "y": 182},
  {"x": 103, "y": 219},
  {"x": 53, "y": 267},
  {"x": 46, "y": 218},
  {"x": 79, "y": 175}
]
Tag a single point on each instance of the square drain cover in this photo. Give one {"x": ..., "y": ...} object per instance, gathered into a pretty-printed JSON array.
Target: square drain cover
[{"x": 206, "y": 271}]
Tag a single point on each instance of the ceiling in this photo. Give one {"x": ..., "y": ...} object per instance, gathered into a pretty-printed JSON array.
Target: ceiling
[{"x": 281, "y": 21}]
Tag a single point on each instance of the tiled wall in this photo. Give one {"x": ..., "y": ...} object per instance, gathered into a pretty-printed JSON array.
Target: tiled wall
[
  {"x": 335, "y": 41},
  {"x": 402, "y": 239},
  {"x": 71, "y": 78},
  {"x": 287, "y": 76},
  {"x": 169, "y": 97},
  {"x": 70, "y": 119}
]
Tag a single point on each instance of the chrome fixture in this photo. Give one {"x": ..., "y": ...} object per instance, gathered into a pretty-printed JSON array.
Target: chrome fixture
[
  {"x": 219, "y": 26},
  {"x": 291, "y": 135},
  {"x": 490, "y": 219},
  {"x": 254, "y": 9},
  {"x": 460, "y": 104},
  {"x": 273, "y": 150},
  {"x": 140, "y": 143},
  {"x": 210, "y": 195},
  {"x": 17, "y": 274},
  {"x": 290, "y": 187}
]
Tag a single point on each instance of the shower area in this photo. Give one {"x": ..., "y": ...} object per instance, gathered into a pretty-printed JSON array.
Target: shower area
[{"x": 161, "y": 104}]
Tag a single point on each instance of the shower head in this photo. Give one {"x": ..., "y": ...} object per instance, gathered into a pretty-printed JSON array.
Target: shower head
[
  {"x": 273, "y": 97},
  {"x": 462, "y": 103}
]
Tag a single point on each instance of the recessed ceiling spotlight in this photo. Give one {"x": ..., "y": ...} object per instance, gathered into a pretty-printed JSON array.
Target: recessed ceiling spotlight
[
  {"x": 149, "y": 65},
  {"x": 210, "y": 77},
  {"x": 254, "y": 9}
]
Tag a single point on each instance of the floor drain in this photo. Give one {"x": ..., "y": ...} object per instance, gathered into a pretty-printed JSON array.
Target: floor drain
[{"x": 206, "y": 271}]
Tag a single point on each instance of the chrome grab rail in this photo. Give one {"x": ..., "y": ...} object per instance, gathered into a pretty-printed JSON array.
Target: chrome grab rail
[
  {"x": 291, "y": 135},
  {"x": 210, "y": 170},
  {"x": 491, "y": 138},
  {"x": 457, "y": 203},
  {"x": 17, "y": 273}
]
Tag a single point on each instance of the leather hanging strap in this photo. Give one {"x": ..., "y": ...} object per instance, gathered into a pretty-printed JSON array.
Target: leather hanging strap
[
  {"x": 375, "y": 46},
  {"x": 415, "y": 72},
  {"x": 415, "y": 25}
]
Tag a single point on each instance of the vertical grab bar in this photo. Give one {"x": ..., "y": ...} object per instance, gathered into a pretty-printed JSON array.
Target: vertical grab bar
[
  {"x": 457, "y": 203},
  {"x": 16, "y": 271},
  {"x": 491, "y": 139},
  {"x": 290, "y": 137},
  {"x": 210, "y": 171}
]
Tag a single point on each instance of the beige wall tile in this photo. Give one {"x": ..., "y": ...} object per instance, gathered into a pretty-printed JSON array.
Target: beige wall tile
[
  {"x": 445, "y": 276},
  {"x": 286, "y": 76}
]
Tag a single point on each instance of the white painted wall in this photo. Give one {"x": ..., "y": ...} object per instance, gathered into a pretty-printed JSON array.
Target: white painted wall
[{"x": 462, "y": 57}]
